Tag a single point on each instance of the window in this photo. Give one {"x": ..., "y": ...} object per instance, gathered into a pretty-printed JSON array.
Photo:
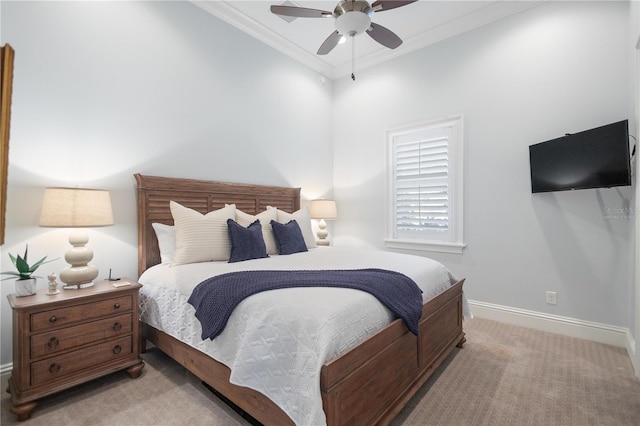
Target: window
[{"x": 425, "y": 186}]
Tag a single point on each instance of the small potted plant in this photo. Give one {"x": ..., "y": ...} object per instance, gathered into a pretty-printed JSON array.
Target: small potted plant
[{"x": 26, "y": 281}]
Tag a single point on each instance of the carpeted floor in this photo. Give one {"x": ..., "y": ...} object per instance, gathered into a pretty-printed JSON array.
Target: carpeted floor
[{"x": 505, "y": 375}]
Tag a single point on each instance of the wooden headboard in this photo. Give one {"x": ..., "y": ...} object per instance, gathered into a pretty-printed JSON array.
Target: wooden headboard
[{"x": 154, "y": 194}]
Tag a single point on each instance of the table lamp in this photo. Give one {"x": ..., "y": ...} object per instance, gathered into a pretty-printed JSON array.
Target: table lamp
[
  {"x": 77, "y": 208},
  {"x": 323, "y": 209}
]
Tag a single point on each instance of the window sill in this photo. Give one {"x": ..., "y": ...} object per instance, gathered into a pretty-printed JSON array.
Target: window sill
[{"x": 441, "y": 247}]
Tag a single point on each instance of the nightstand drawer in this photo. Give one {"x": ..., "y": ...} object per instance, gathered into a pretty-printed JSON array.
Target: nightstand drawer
[
  {"x": 57, "y": 318},
  {"x": 58, "y": 367},
  {"x": 68, "y": 338}
]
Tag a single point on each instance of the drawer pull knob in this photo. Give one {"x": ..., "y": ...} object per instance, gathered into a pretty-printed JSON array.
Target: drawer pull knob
[
  {"x": 116, "y": 306},
  {"x": 117, "y": 326},
  {"x": 117, "y": 349},
  {"x": 54, "y": 368},
  {"x": 53, "y": 319},
  {"x": 53, "y": 343}
]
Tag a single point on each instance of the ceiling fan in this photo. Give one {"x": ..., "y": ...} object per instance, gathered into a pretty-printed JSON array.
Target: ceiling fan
[{"x": 352, "y": 17}]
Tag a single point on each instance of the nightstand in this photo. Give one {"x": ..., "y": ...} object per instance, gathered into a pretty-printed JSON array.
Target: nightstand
[{"x": 64, "y": 340}]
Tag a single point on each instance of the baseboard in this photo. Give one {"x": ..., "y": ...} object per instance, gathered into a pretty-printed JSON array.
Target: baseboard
[
  {"x": 602, "y": 333},
  {"x": 633, "y": 354},
  {"x": 6, "y": 368}
]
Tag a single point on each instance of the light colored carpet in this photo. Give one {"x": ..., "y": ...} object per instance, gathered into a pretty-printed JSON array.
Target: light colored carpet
[
  {"x": 505, "y": 375},
  {"x": 509, "y": 375}
]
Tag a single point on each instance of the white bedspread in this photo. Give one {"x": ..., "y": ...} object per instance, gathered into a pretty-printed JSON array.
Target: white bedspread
[{"x": 277, "y": 341}]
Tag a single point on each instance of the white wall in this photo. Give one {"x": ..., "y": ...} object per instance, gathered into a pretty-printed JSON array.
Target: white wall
[
  {"x": 557, "y": 68},
  {"x": 634, "y": 294},
  {"x": 103, "y": 90}
]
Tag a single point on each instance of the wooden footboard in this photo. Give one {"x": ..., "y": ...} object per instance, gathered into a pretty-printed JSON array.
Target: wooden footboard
[{"x": 369, "y": 384}]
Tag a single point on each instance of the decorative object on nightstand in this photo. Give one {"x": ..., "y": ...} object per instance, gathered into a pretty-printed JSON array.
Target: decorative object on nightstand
[
  {"x": 323, "y": 209},
  {"x": 72, "y": 338},
  {"x": 26, "y": 283},
  {"x": 53, "y": 284},
  {"x": 77, "y": 208}
]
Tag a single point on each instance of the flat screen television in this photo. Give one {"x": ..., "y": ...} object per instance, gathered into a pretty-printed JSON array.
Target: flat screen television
[{"x": 595, "y": 158}]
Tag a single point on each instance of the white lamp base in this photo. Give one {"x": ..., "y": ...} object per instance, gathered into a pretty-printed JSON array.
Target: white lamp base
[
  {"x": 322, "y": 234},
  {"x": 80, "y": 274},
  {"x": 71, "y": 286}
]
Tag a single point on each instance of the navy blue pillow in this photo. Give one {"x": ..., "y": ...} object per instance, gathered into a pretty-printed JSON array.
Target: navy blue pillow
[
  {"x": 246, "y": 243},
  {"x": 288, "y": 237}
]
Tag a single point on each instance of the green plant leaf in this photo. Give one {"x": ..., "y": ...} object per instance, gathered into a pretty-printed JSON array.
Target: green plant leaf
[
  {"x": 24, "y": 270},
  {"x": 37, "y": 264},
  {"x": 22, "y": 265},
  {"x": 12, "y": 275}
]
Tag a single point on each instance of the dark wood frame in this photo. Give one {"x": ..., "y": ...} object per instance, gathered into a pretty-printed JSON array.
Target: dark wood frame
[
  {"x": 7, "y": 55},
  {"x": 369, "y": 384}
]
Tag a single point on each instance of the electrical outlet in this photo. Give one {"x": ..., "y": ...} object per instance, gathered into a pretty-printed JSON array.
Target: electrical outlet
[{"x": 551, "y": 298}]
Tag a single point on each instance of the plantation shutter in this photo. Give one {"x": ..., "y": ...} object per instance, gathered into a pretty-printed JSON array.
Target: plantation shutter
[
  {"x": 421, "y": 179},
  {"x": 425, "y": 186}
]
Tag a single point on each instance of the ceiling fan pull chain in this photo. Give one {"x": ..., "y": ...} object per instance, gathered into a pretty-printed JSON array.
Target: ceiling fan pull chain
[{"x": 353, "y": 58}]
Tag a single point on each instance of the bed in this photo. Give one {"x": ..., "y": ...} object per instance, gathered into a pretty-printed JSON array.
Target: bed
[{"x": 368, "y": 383}]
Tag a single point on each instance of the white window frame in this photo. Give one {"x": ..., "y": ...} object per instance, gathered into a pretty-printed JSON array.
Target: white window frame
[{"x": 451, "y": 241}]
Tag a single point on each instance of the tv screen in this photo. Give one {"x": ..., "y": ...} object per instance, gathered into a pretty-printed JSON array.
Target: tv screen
[{"x": 596, "y": 158}]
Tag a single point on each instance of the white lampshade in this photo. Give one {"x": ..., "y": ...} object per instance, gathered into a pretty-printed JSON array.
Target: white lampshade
[
  {"x": 77, "y": 208},
  {"x": 323, "y": 209}
]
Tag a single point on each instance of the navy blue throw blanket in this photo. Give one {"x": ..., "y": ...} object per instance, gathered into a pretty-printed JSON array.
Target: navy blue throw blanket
[{"x": 215, "y": 298}]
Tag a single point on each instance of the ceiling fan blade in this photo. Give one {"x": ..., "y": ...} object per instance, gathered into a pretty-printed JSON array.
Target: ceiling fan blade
[
  {"x": 330, "y": 43},
  {"x": 300, "y": 12},
  {"x": 384, "y": 36},
  {"x": 382, "y": 5}
]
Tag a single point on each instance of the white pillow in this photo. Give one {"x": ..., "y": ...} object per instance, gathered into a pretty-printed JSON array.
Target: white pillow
[
  {"x": 304, "y": 221},
  {"x": 201, "y": 238},
  {"x": 166, "y": 235},
  {"x": 265, "y": 219}
]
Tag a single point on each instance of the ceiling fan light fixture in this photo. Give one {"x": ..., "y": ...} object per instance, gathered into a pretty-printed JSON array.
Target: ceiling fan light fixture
[
  {"x": 352, "y": 23},
  {"x": 352, "y": 17}
]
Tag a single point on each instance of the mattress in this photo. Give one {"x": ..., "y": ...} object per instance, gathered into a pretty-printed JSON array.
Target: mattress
[{"x": 276, "y": 342}]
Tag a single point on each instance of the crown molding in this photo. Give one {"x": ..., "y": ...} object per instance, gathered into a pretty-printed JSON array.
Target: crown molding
[
  {"x": 462, "y": 24},
  {"x": 225, "y": 11}
]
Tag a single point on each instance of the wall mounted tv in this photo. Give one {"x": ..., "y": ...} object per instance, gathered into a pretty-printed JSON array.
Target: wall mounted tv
[{"x": 595, "y": 158}]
